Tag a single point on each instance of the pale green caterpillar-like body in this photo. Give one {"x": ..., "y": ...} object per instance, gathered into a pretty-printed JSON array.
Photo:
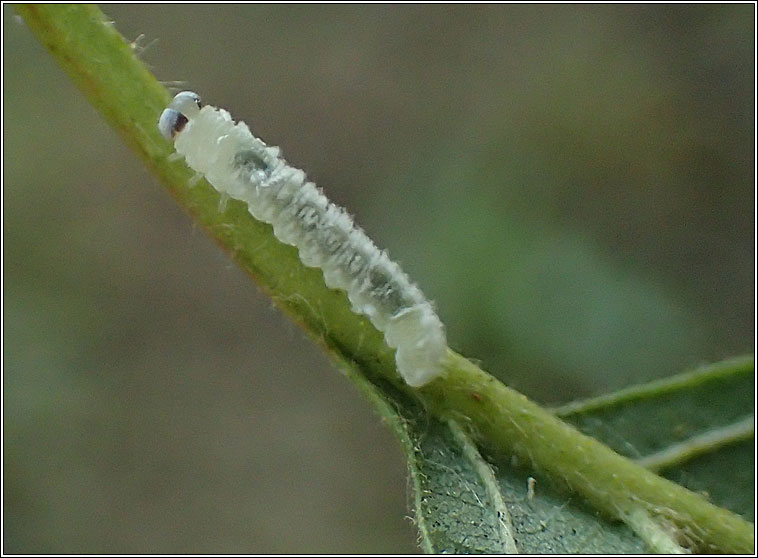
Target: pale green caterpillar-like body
[{"x": 242, "y": 167}]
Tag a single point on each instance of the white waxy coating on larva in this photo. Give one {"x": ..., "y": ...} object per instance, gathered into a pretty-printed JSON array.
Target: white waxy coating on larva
[{"x": 242, "y": 167}]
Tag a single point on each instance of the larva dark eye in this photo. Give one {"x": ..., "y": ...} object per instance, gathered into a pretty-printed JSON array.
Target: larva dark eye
[
  {"x": 186, "y": 102},
  {"x": 171, "y": 123}
]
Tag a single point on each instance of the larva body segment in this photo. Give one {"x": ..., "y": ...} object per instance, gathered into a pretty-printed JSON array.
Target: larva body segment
[{"x": 244, "y": 168}]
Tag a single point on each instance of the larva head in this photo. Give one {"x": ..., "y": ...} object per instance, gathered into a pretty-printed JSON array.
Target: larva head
[
  {"x": 184, "y": 106},
  {"x": 186, "y": 102}
]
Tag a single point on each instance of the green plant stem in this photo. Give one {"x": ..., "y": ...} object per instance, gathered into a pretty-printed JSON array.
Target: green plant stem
[
  {"x": 103, "y": 65},
  {"x": 506, "y": 422}
]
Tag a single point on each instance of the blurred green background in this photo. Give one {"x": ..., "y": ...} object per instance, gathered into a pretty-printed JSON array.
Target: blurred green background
[{"x": 573, "y": 186}]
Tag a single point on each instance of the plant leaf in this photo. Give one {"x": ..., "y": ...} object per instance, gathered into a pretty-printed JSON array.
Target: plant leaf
[
  {"x": 460, "y": 509},
  {"x": 696, "y": 428},
  {"x": 457, "y": 511}
]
